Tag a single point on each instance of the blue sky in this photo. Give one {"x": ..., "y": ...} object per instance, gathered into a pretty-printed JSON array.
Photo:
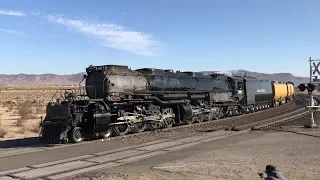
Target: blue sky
[{"x": 46, "y": 36}]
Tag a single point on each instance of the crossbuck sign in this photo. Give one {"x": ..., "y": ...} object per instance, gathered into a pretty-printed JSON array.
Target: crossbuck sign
[{"x": 316, "y": 68}]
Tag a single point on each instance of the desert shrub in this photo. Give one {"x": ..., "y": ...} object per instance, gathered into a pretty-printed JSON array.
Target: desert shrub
[
  {"x": 9, "y": 104},
  {"x": 0, "y": 119},
  {"x": 38, "y": 104},
  {"x": 20, "y": 122},
  {"x": 34, "y": 101},
  {"x": 11, "y": 107},
  {"x": 40, "y": 110},
  {"x": 35, "y": 128},
  {"x": 3, "y": 132},
  {"x": 22, "y": 130},
  {"x": 25, "y": 110}
]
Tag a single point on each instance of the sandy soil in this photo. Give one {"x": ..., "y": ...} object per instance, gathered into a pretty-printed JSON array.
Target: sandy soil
[
  {"x": 8, "y": 121},
  {"x": 295, "y": 155},
  {"x": 29, "y": 102}
]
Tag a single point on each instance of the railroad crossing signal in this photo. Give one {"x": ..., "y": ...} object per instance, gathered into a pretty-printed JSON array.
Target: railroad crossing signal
[
  {"x": 302, "y": 87},
  {"x": 310, "y": 87},
  {"x": 316, "y": 68}
]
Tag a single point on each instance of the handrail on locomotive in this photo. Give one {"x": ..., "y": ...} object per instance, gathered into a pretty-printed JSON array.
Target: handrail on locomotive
[{"x": 78, "y": 93}]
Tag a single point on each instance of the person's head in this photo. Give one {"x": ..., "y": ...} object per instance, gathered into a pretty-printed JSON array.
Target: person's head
[{"x": 270, "y": 168}]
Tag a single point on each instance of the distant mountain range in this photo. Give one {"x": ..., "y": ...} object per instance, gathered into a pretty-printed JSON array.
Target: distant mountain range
[
  {"x": 41, "y": 79},
  {"x": 284, "y": 77},
  {"x": 74, "y": 79}
]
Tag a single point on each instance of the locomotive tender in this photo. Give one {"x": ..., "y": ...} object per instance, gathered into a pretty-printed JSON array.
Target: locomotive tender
[{"x": 120, "y": 101}]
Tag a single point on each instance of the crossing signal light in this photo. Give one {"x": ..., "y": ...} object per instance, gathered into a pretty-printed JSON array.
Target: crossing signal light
[
  {"x": 310, "y": 87},
  {"x": 302, "y": 87}
]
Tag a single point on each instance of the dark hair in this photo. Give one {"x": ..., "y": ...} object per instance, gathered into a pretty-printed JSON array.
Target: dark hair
[{"x": 270, "y": 168}]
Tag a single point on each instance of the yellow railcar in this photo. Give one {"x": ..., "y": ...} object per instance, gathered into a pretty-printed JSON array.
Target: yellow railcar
[
  {"x": 280, "y": 91},
  {"x": 291, "y": 90},
  {"x": 283, "y": 93}
]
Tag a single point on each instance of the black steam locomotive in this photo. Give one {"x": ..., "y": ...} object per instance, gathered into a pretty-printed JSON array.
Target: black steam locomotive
[{"x": 119, "y": 101}]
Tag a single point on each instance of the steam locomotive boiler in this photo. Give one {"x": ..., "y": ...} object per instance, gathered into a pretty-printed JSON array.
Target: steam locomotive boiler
[{"x": 120, "y": 101}]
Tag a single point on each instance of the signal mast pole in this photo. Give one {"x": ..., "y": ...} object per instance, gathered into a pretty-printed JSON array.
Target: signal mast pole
[
  {"x": 311, "y": 94},
  {"x": 310, "y": 60},
  {"x": 312, "y": 107}
]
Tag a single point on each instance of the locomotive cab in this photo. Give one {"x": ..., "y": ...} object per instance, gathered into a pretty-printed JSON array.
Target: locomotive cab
[{"x": 237, "y": 84}]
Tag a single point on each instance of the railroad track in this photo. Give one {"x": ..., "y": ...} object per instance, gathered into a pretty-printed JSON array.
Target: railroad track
[
  {"x": 271, "y": 122},
  {"x": 276, "y": 123}
]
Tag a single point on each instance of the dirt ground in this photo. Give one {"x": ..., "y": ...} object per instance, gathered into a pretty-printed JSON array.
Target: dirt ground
[
  {"x": 21, "y": 109},
  {"x": 294, "y": 153},
  {"x": 13, "y": 130}
]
